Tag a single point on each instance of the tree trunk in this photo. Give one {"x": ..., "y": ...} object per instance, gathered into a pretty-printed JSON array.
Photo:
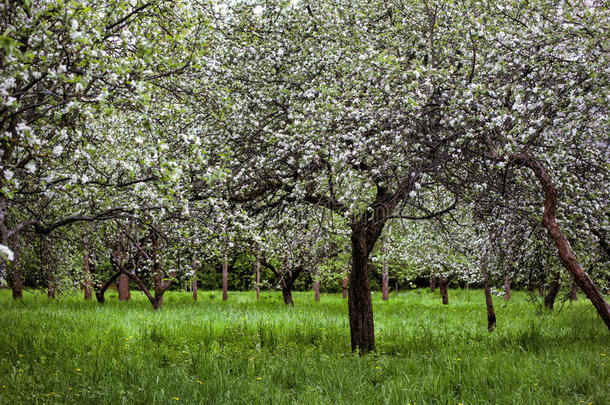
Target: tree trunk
[
  {"x": 491, "y": 314},
  {"x": 194, "y": 286},
  {"x": 506, "y": 288},
  {"x": 549, "y": 299},
  {"x": 541, "y": 288},
  {"x": 122, "y": 286},
  {"x": 225, "y": 278},
  {"x": 50, "y": 287},
  {"x": 566, "y": 254},
  {"x": 155, "y": 301},
  {"x": 360, "y": 304},
  {"x": 385, "y": 282},
  {"x": 573, "y": 292},
  {"x": 344, "y": 286},
  {"x": 87, "y": 270},
  {"x": 287, "y": 293},
  {"x": 442, "y": 283},
  {"x": 432, "y": 283},
  {"x": 99, "y": 292},
  {"x": 15, "y": 269},
  {"x": 316, "y": 290},
  {"x": 258, "y": 278}
]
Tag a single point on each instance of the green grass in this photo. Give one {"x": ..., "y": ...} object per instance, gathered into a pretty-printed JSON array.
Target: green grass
[{"x": 241, "y": 351}]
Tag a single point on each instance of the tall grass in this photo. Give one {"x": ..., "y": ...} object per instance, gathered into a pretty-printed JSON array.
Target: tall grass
[{"x": 243, "y": 351}]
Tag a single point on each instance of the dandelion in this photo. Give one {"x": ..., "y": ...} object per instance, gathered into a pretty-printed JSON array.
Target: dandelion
[
  {"x": 459, "y": 359},
  {"x": 78, "y": 369},
  {"x": 4, "y": 387},
  {"x": 378, "y": 368},
  {"x": 21, "y": 371},
  {"x": 259, "y": 378},
  {"x": 603, "y": 355},
  {"x": 20, "y": 355},
  {"x": 176, "y": 399},
  {"x": 199, "y": 382}
]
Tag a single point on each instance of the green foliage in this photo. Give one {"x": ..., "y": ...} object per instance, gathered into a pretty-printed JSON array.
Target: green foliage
[{"x": 241, "y": 351}]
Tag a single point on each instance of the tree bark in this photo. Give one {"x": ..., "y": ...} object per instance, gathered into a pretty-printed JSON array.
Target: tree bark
[
  {"x": 491, "y": 313},
  {"x": 225, "y": 278},
  {"x": 88, "y": 286},
  {"x": 432, "y": 283},
  {"x": 360, "y": 305},
  {"x": 506, "y": 288},
  {"x": 564, "y": 249},
  {"x": 574, "y": 292},
  {"x": 287, "y": 293},
  {"x": 99, "y": 292},
  {"x": 316, "y": 290},
  {"x": 385, "y": 282},
  {"x": 442, "y": 283},
  {"x": 549, "y": 299},
  {"x": 160, "y": 284},
  {"x": 16, "y": 282},
  {"x": 122, "y": 286},
  {"x": 15, "y": 269},
  {"x": 344, "y": 286},
  {"x": 258, "y": 278},
  {"x": 50, "y": 287},
  {"x": 194, "y": 287},
  {"x": 156, "y": 303}
]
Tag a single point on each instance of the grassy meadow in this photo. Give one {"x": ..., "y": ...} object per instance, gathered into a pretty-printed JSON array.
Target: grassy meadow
[{"x": 242, "y": 351}]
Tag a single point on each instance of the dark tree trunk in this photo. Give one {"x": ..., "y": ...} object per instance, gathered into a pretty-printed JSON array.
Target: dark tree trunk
[
  {"x": 564, "y": 249},
  {"x": 574, "y": 292},
  {"x": 316, "y": 290},
  {"x": 344, "y": 286},
  {"x": 194, "y": 287},
  {"x": 549, "y": 299},
  {"x": 225, "y": 279},
  {"x": 287, "y": 293},
  {"x": 507, "y": 288},
  {"x": 99, "y": 292},
  {"x": 258, "y": 278},
  {"x": 160, "y": 284},
  {"x": 155, "y": 301},
  {"x": 359, "y": 303},
  {"x": 442, "y": 283},
  {"x": 541, "y": 288},
  {"x": 385, "y": 282},
  {"x": 432, "y": 283},
  {"x": 491, "y": 314},
  {"x": 16, "y": 282},
  {"x": 50, "y": 285},
  {"x": 87, "y": 270},
  {"x": 122, "y": 285},
  {"x": 15, "y": 270}
]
